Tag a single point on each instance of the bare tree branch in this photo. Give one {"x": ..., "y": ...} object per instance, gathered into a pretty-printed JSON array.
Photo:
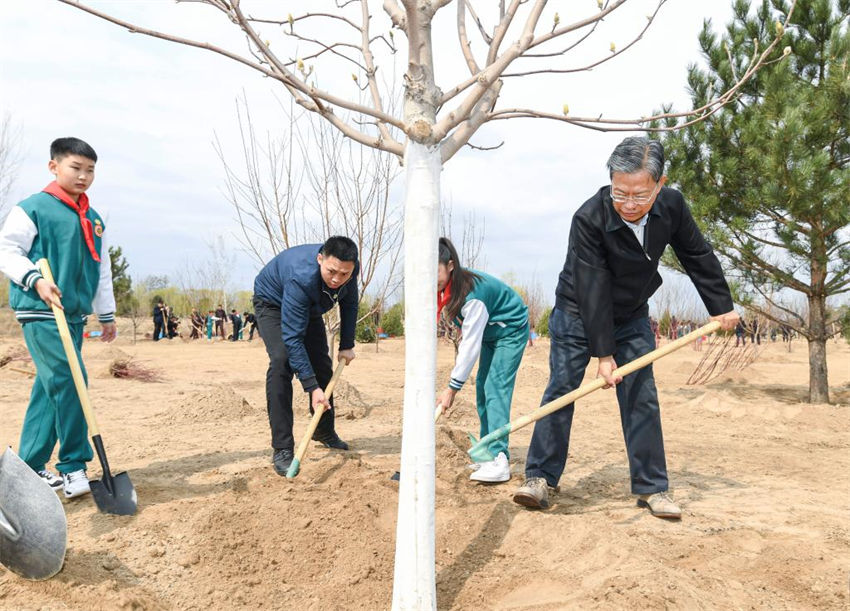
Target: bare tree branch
[
  {"x": 556, "y": 32},
  {"x": 396, "y": 14},
  {"x": 10, "y": 157},
  {"x": 485, "y": 148},
  {"x": 489, "y": 76},
  {"x": 504, "y": 23},
  {"x": 649, "y": 20},
  {"x": 464, "y": 132},
  {"x": 371, "y": 71},
  {"x": 308, "y": 96},
  {"x": 465, "y": 47},
  {"x": 696, "y": 115},
  {"x": 481, "y": 30}
]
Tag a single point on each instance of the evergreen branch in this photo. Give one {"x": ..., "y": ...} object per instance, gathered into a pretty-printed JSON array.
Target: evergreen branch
[{"x": 758, "y": 265}]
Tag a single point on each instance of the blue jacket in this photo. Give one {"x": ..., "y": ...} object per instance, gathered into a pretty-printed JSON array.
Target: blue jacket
[{"x": 292, "y": 282}]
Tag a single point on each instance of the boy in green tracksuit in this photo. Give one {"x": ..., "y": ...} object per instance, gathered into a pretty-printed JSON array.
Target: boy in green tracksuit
[
  {"x": 494, "y": 326},
  {"x": 57, "y": 224}
]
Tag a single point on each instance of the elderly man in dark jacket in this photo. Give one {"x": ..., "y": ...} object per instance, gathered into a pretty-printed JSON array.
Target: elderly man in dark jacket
[
  {"x": 616, "y": 240},
  {"x": 290, "y": 295}
]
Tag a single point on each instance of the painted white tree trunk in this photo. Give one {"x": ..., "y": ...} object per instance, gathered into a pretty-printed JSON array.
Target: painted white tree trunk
[{"x": 414, "y": 584}]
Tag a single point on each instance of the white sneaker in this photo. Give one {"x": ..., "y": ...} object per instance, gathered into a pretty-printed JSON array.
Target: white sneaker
[
  {"x": 494, "y": 471},
  {"x": 76, "y": 484},
  {"x": 51, "y": 479}
]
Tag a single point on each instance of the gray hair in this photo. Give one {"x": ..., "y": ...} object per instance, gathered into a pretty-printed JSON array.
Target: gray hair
[{"x": 637, "y": 153}]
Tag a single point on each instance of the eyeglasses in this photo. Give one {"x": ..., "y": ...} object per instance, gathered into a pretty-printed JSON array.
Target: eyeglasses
[{"x": 638, "y": 200}]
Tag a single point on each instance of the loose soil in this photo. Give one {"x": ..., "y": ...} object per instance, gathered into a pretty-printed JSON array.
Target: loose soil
[{"x": 763, "y": 479}]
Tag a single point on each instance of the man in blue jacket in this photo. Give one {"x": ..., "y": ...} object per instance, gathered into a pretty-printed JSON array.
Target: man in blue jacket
[{"x": 290, "y": 295}]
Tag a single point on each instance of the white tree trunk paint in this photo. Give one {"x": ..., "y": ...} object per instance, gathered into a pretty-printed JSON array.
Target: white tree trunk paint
[{"x": 414, "y": 584}]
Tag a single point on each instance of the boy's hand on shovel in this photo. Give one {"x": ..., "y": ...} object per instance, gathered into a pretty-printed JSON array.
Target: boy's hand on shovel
[
  {"x": 49, "y": 293},
  {"x": 605, "y": 370}
]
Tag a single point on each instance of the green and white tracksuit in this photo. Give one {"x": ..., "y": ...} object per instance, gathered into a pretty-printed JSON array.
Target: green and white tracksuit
[
  {"x": 494, "y": 326},
  {"x": 41, "y": 226}
]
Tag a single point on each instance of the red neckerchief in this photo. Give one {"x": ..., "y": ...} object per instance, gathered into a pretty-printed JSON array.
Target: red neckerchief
[
  {"x": 443, "y": 297},
  {"x": 80, "y": 208}
]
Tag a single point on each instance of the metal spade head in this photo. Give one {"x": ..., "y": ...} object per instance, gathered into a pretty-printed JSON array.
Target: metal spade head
[
  {"x": 115, "y": 494},
  {"x": 33, "y": 529},
  {"x": 479, "y": 452},
  {"x": 294, "y": 468}
]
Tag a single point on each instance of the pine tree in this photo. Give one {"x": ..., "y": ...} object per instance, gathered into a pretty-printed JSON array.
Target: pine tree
[{"x": 768, "y": 175}]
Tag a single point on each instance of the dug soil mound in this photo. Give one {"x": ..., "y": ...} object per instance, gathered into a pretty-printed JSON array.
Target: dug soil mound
[{"x": 218, "y": 403}]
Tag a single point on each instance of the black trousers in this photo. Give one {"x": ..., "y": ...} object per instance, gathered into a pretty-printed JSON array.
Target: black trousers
[
  {"x": 158, "y": 328},
  {"x": 280, "y": 373}
]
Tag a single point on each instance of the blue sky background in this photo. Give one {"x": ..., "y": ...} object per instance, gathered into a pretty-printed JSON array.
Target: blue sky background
[{"x": 152, "y": 109}]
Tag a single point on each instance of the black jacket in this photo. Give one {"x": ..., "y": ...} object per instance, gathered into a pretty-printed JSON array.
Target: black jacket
[{"x": 609, "y": 276}]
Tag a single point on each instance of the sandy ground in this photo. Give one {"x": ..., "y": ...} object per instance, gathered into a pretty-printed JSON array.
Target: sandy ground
[{"x": 764, "y": 481}]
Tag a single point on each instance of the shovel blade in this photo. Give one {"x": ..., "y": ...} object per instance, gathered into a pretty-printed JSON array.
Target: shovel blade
[
  {"x": 294, "y": 468},
  {"x": 33, "y": 528},
  {"x": 479, "y": 452},
  {"x": 115, "y": 495}
]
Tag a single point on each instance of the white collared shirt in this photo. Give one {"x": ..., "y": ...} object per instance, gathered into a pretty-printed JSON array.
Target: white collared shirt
[{"x": 637, "y": 228}]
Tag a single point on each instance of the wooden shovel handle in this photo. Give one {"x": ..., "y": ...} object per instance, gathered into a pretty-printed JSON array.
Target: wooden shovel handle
[
  {"x": 71, "y": 354},
  {"x": 438, "y": 412},
  {"x": 317, "y": 414},
  {"x": 626, "y": 369}
]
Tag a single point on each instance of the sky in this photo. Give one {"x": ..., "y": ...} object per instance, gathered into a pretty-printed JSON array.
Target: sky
[{"x": 152, "y": 109}]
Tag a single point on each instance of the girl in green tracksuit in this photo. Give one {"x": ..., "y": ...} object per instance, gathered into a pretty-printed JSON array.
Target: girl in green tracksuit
[{"x": 494, "y": 331}]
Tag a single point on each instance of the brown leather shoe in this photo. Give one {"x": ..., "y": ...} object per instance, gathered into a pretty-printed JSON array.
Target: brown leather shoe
[
  {"x": 534, "y": 493},
  {"x": 661, "y": 505}
]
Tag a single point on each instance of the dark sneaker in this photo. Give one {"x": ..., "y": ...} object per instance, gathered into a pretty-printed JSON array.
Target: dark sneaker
[
  {"x": 534, "y": 493},
  {"x": 51, "y": 479},
  {"x": 330, "y": 440},
  {"x": 661, "y": 505},
  {"x": 282, "y": 460}
]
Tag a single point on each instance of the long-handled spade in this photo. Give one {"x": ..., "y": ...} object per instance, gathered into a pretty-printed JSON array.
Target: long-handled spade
[
  {"x": 479, "y": 452},
  {"x": 112, "y": 494},
  {"x": 33, "y": 529},
  {"x": 314, "y": 422}
]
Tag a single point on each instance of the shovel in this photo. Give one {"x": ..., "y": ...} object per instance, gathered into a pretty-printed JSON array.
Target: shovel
[
  {"x": 112, "y": 494},
  {"x": 33, "y": 530},
  {"x": 479, "y": 452},
  {"x": 314, "y": 422}
]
